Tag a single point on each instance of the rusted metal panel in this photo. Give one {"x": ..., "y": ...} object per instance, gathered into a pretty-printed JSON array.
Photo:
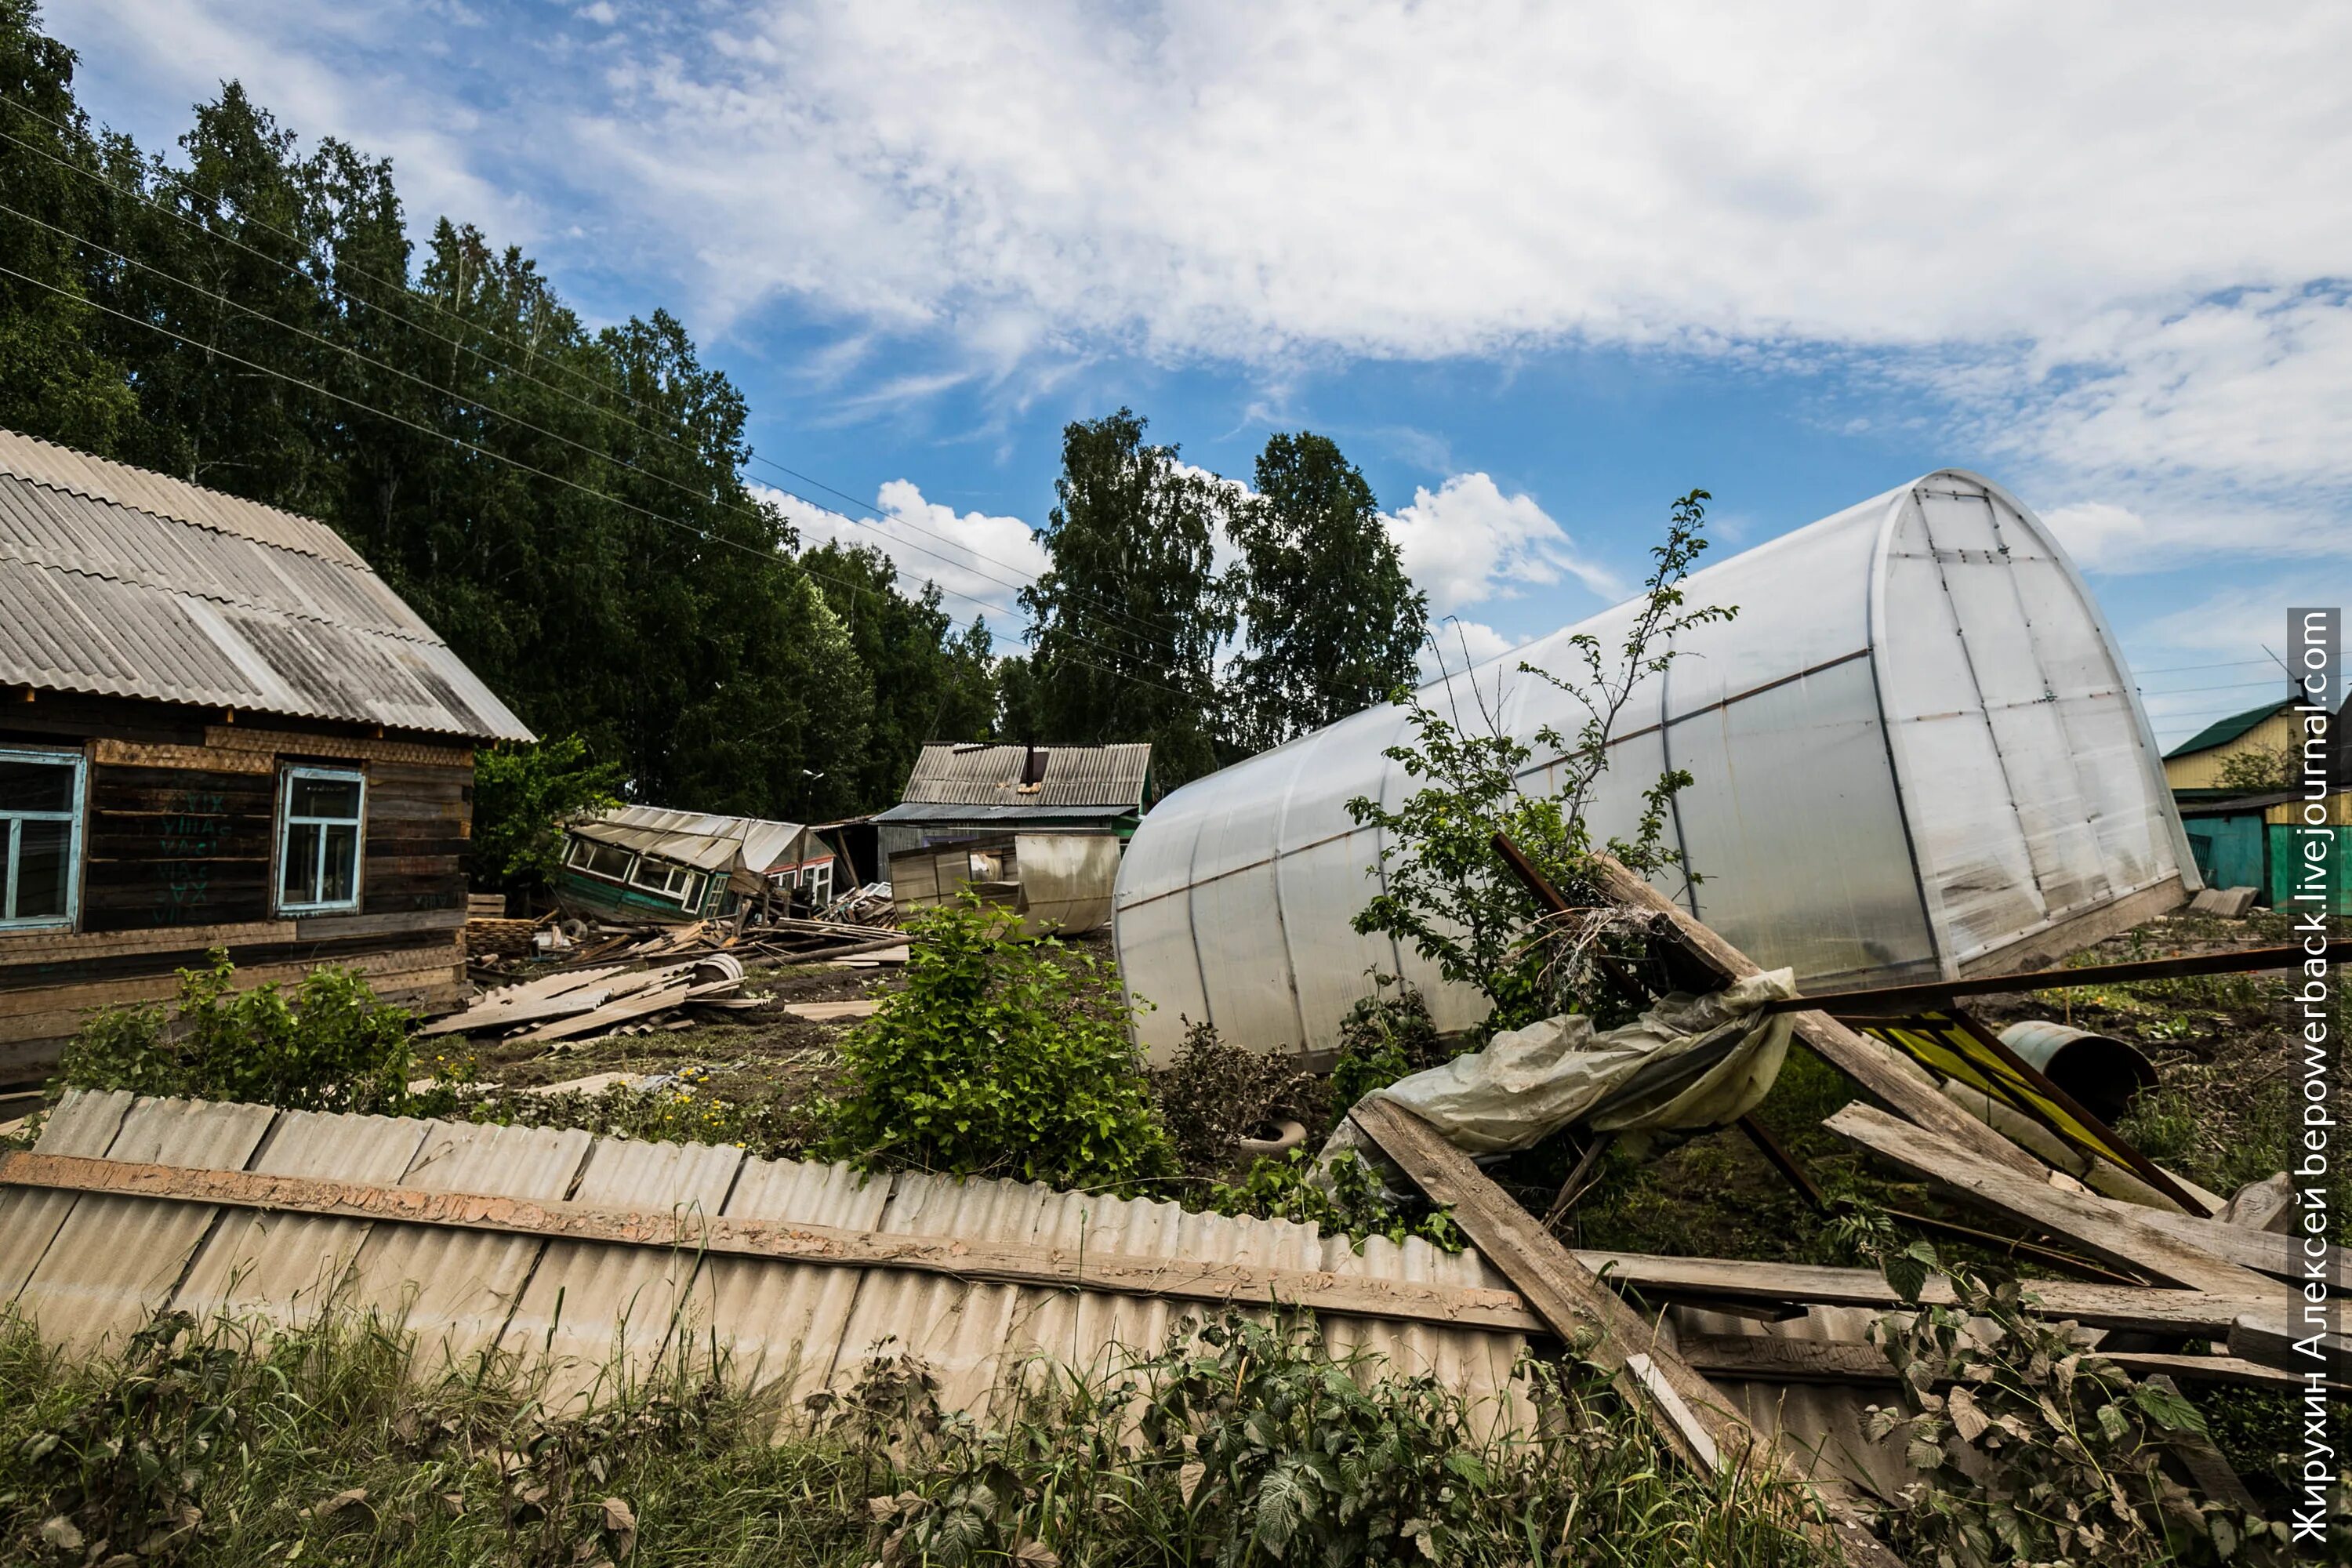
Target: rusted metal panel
[
  {"x": 292, "y": 1265},
  {"x": 454, "y": 1290},
  {"x": 125, "y": 584},
  {"x": 83, "y": 1123},
  {"x": 593, "y": 1309},
  {"x": 116, "y": 1259}
]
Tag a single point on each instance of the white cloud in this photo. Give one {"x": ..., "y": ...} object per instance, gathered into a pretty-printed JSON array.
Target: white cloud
[
  {"x": 1458, "y": 643},
  {"x": 1468, "y": 542},
  {"x": 980, "y": 562}
]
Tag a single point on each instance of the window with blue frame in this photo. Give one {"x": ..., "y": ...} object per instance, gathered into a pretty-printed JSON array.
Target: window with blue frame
[
  {"x": 322, "y": 814},
  {"x": 40, "y": 837}
]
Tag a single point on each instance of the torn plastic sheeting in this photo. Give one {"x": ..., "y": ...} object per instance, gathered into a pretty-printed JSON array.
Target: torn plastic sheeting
[{"x": 1688, "y": 1062}]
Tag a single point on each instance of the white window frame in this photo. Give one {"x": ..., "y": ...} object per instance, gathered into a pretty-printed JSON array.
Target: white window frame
[
  {"x": 12, "y": 830},
  {"x": 288, "y": 822}
]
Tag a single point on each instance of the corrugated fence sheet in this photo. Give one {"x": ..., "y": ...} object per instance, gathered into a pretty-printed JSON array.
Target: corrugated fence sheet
[{"x": 90, "y": 1268}]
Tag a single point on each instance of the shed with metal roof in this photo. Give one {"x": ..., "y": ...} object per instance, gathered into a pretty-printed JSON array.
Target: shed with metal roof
[
  {"x": 970, "y": 791},
  {"x": 221, "y": 729}
]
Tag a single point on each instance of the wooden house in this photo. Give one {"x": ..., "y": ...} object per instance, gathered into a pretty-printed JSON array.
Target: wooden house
[
  {"x": 218, "y": 728},
  {"x": 980, "y": 791}
]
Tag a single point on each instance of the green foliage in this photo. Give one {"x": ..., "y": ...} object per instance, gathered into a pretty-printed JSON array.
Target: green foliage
[
  {"x": 1384, "y": 1038},
  {"x": 331, "y": 1046},
  {"x": 930, "y": 681},
  {"x": 1002, "y": 1057},
  {"x": 224, "y": 1443},
  {"x": 1242, "y": 1442},
  {"x": 1128, "y": 617},
  {"x": 1445, "y": 889},
  {"x": 684, "y": 1110},
  {"x": 523, "y": 795},
  {"x": 2030, "y": 1447},
  {"x": 1330, "y": 624},
  {"x": 2259, "y": 770},
  {"x": 1342, "y": 1194}
]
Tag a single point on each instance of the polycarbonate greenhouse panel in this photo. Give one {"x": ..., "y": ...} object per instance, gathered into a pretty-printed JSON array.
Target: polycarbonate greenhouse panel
[{"x": 1914, "y": 748}]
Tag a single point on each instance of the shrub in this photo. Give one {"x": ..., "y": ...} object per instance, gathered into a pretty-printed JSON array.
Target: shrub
[
  {"x": 333, "y": 1046},
  {"x": 1384, "y": 1038},
  {"x": 1344, "y": 1197},
  {"x": 1002, "y": 1057}
]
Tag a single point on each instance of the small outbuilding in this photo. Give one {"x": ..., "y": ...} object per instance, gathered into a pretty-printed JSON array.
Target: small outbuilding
[
  {"x": 979, "y": 791},
  {"x": 637, "y": 864},
  {"x": 218, "y": 728}
]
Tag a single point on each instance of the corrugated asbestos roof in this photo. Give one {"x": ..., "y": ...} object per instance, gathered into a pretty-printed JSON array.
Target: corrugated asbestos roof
[
  {"x": 704, "y": 840},
  {"x": 124, "y": 583},
  {"x": 808, "y": 1325},
  {"x": 1073, "y": 775}
]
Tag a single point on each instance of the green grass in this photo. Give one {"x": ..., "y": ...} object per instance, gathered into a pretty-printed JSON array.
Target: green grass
[{"x": 224, "y": 1443}]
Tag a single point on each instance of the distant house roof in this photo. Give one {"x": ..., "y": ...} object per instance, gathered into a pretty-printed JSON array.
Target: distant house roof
[
  {"x": 122, "y": 582},
  {"x": 704, "y": 840},
  {"x": 1002, "y": 775},
  {"x": 2223, "y": 731}
]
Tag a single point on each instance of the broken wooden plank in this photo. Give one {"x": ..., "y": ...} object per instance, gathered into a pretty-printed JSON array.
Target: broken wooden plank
[
  {"x": 2265, "y": 1252},
  {"x": 1722, "y": 1281},
  {"x": 1237, "y": 1284},
  {"x": 1689, "y": 1414},
  {"x": 1874, "y": 1065},
  {"x": 1772, "y": 1358},
  {"x": 2264, "y": 1336},
  {"x": 619, "y": 1011},
  {"x": 2118, "y": 1233}
]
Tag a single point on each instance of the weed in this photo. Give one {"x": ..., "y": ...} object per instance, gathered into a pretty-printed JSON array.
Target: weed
[
  {"x": 1383, "y": 1038},
  {"x": 1343, "y": 1196}
]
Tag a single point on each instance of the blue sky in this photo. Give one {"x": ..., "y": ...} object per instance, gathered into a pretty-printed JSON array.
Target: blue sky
[{"x": 1538, "y": 268}]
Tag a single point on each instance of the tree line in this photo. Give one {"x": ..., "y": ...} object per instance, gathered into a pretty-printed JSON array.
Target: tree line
[{"x": 567, "y": 507}]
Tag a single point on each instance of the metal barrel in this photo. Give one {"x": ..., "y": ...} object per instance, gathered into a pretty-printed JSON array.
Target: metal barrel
[{"x": 2104, "y": 1073}]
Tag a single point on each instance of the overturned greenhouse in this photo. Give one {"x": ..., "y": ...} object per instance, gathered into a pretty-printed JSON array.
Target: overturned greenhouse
[{"x": 1915, "y": 753}]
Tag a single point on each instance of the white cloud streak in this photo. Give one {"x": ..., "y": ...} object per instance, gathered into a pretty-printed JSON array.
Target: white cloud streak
[{"x": 1466, "y": 543}]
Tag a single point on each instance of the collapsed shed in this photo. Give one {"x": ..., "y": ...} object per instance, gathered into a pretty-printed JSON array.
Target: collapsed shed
[
  {"x": 221, "y": 730},
  {"x": 1916, "y": 753},
  {"x": 643, "y": 863}
]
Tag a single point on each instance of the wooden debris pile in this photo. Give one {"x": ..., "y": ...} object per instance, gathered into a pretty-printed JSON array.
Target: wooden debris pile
[
  {"x": 1730, "y": 1357},
  {"x": 584, "y": 1002}
]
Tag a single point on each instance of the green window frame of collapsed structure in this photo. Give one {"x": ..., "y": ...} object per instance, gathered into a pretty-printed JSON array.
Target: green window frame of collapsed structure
[
  {"x": 41, "y": 796},
  {"x": 611, "y": 863},
  {"x": 321, "y": 829}
]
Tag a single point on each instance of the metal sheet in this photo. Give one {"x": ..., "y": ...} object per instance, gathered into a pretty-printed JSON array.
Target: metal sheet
[
  {"x": 1072, "y": 775},
  {"x": 116, "y": 1260},
  {"x": 595, "y": 1313},
  {"x": 292, "y": 1266},
  {"x": 701, "y": 839},
  {"x": 214, "y": 602},
  {"x": 454, "y": 1290},
  {"x": 784, "y": 1325}
]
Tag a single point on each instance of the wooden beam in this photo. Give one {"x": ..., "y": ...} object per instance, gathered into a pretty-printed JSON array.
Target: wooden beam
[
  {"x": 1083, "y": 1269},
  {"x": 1768, "y": 1358},
  {"x": 2186, "y": 1314},
  {"x": 2119, "y": 1233},
  {"x": 2263, "y": 1336},
  {"x": 1689, "y": 1414},
  {"x": 1875, "y": 1066}
]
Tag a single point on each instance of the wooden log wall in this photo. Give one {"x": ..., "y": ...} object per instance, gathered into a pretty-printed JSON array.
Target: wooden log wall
[{"x": 179, "y": 855}]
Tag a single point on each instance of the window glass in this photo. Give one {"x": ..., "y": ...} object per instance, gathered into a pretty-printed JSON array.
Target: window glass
[
  {"x": 607, "y": 860},
  {"x": 40, "y": 829},
  {"x": 319, "y": 838},
  {"x": 690, "y": 895}
]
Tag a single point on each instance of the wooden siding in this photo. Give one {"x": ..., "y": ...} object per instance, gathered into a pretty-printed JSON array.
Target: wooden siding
[
  {"x": 179, "y": 856},
  {"x": 2202, "y": 770}
]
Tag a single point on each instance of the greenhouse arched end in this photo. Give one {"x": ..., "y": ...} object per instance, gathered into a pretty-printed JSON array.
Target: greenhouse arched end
[{"x": 1916, "y": 753}]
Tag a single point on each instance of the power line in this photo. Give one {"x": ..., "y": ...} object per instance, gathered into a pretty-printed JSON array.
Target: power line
[
  {"x": 407, "y": 292},
  {"x": 704, "y": 535}
]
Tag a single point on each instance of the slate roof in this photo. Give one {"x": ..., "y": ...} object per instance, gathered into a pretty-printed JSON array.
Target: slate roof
[{"x": 119, "y": 582}]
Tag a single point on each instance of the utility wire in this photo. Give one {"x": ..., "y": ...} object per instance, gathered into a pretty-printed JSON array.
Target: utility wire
[
  {"x": 408, "y": 292},
  {"x": 703, "y": 534}
]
